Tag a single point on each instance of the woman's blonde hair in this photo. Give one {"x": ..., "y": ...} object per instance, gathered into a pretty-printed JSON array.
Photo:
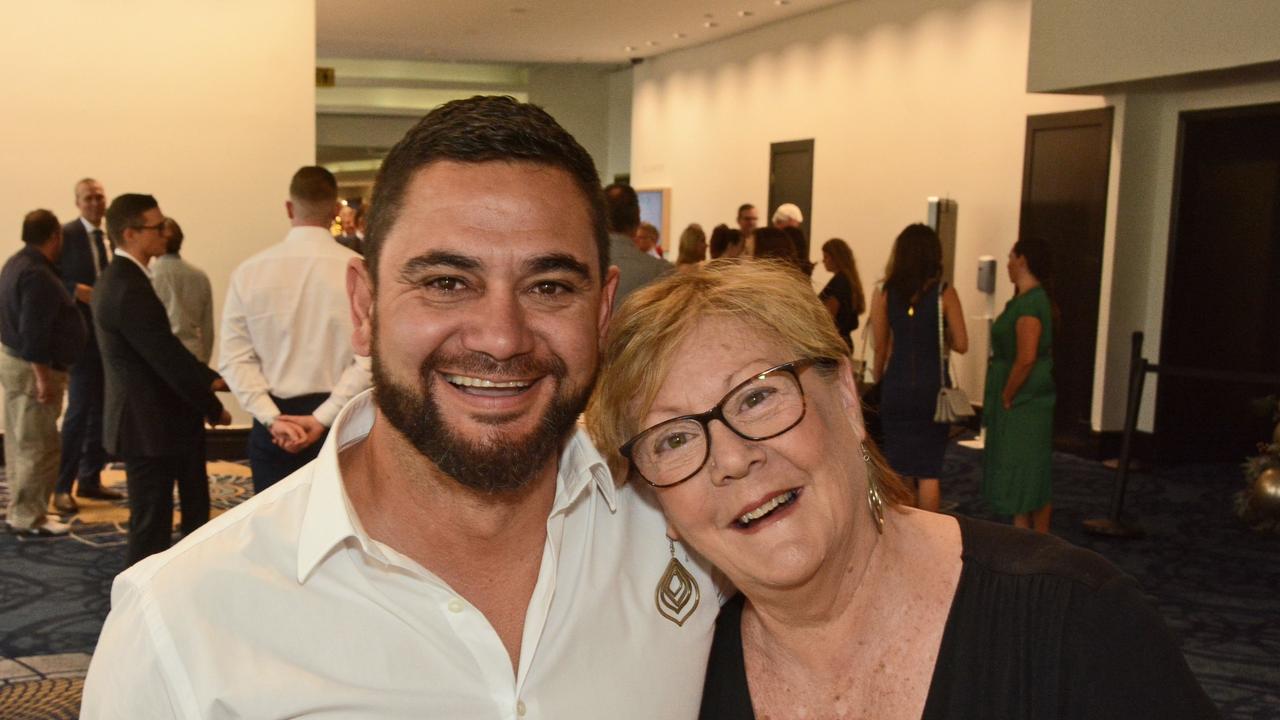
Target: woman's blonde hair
[{"x": 767, "y": 297}]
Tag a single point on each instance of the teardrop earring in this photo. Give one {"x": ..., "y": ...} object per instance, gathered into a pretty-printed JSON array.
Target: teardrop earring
[
  {"x": 677, "y": 594},
  {"x": 875, "y": 502}
]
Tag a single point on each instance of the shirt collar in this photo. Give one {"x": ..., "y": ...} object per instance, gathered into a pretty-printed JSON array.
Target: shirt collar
[
  {"x": 90, "y": 227},
  {"x": 330, "y": 520},
  {"x": 125, "y": 253},
  {"x": 308, "y": 233}
]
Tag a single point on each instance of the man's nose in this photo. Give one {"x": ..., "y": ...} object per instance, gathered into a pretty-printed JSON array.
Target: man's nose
[{"x": 500, "y": 328}]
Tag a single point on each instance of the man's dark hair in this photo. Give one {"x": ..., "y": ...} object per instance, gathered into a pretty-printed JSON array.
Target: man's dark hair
[
  {"x": 744, "y": 207},
  {"x": 313, "y": 184},
  {"x": 314, "y": 193},
  {"x": 126, "y": 212},
  {"x": 478, "y": 130},
  {"x": 624, "y": 208},
  {"x": 39, "y": 226},
  {"x": 174, "y": 244}
]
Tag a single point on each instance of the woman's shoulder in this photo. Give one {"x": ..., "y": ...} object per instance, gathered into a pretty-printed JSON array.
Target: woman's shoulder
[{"x": 1012, "y": 552}]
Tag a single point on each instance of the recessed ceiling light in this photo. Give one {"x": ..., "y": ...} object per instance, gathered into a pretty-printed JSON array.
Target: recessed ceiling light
[
  {"x": 630, "y": 48},
  {"x": 652, "y": 43},
  {"x": 710, "y": 24},
  {"x": 745, "y": 13},
  {"x": 781, "y": 2},
  {"x": 677, "y": 36}
]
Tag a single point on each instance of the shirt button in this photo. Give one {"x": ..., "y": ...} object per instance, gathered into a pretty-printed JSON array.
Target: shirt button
[
  {"x": 456, "y": 606},
  {"x": 520, "y": 708}
]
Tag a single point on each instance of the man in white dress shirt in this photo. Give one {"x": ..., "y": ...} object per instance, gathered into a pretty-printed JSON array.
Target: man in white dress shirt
[
  {"x": 459, "y": 549},
  {"x": 286, "y": 334}
]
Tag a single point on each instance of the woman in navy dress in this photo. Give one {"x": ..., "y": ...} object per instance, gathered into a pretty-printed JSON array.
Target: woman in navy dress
[{"x": 904, "y": 320}]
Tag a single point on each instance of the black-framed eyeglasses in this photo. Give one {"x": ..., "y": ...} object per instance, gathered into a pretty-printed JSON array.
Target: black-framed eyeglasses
[
  {"x": 158, "y": 227},
  {"x": 763, "y": 406}
]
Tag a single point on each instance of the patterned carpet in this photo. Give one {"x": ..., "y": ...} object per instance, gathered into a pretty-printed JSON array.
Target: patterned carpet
[{"x": 1216, "y": 583}]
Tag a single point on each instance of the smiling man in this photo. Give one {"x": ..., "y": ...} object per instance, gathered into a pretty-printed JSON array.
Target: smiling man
[{"x": 458, "y": 549}]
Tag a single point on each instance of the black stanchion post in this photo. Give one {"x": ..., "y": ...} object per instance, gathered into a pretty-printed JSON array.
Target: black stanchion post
[{"x": 1116, "y": 526}]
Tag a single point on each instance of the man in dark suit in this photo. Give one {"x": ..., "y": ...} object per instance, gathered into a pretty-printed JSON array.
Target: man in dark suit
[
  {"x": 84, "y": 256},
  {"x": 157, "y": 393}
]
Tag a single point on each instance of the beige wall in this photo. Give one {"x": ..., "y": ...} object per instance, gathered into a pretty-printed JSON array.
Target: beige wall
[
  {"x": 1086, "y": 43},
  {"x": 577, "y": 96},
  {"x": 208, "y": 106},
  {"x": 904, "y": 98}
]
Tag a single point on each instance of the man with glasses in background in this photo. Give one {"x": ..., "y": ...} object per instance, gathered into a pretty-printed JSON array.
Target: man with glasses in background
[{"x": 157, "y": 394}]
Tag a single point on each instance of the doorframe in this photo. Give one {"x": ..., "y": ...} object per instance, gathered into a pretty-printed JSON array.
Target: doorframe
[
  {"x": 1084, "y": 440},
  {"x": 790, "y": 146},
  {"x": 1175, "y": 207}
]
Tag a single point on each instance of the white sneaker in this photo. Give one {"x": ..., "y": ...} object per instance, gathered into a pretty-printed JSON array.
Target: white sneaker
[{"x": 46, "y": 528}]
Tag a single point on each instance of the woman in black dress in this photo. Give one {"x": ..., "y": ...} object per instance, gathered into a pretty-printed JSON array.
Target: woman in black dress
[
  {"x": 843, "y": 296},
  {"x": 904, "y": 323},
  {"x": 728, "y": 390}
]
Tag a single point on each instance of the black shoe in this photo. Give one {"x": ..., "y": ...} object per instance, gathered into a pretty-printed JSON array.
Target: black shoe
[
  {"x": 99, "y": 493},
  {"x": 64, "y": 503}
]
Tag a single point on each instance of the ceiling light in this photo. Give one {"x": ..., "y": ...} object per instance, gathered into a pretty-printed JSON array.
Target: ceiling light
[
  {"x": 630, "y": 48},
  {"x": 677, "y": 36},
  {"x": 710, "y": 24},
  {"x": 652, "y": 43},
  {"x": 745, "y": 13},
  {"x": 781, "y": 2}
]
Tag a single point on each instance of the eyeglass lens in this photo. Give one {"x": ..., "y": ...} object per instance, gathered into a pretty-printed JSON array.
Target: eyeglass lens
[{"x": 760, "y": 408}]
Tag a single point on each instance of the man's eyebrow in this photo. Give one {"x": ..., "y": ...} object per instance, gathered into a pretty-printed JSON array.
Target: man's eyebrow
[
  {"x": 562, "y": 262},
  {"x": 435, "y": 259}
]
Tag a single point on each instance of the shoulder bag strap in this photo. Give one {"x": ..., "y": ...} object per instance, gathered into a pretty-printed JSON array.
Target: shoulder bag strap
[{"x": 942, "y": 343}]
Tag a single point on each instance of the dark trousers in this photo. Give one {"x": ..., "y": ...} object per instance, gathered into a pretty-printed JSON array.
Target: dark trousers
[
  {"x": 82, "y": 453},
  {"x": 150, "y": 481},
  {"x": 269, "y": 463}
]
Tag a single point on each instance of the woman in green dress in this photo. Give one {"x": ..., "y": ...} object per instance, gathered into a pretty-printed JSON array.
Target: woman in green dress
[{"x": 1019, "y": 397}]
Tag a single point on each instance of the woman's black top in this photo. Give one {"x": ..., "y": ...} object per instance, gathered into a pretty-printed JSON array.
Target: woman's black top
[
  {"x": 841, "y": 289},
  {"x": 1038, "y": 628}
]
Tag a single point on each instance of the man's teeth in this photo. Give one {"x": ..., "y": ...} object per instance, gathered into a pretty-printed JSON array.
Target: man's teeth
[
  {"x": 482, "y": 383},
  {"x": 767, "y": 508}
]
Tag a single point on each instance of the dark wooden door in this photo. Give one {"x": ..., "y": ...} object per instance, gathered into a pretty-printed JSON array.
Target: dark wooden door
[
  {"x": 1064, "y": 200},
  {"x": 791, "y": 180},
  {"x": 1222, "y": 289}
]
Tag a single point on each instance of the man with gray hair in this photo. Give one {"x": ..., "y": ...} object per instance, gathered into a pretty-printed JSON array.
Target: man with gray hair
[
  {"x": 787, "y": 215},
  {"x": 286, "y": 334}
]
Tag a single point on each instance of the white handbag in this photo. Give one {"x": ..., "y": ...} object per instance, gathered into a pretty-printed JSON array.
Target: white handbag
[{"x": 953, "y": 404}]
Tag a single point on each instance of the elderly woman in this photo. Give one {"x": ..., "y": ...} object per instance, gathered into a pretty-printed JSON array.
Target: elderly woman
[{"x": 728, "y": 390}]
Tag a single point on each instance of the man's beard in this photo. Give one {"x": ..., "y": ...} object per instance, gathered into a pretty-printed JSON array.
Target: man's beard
[{"x": 494, "y": 464}]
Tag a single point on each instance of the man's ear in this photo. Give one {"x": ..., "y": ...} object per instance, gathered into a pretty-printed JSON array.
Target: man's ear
[
  {"x": 360, "y": 293},
  {"x": 288, "y": 208}
]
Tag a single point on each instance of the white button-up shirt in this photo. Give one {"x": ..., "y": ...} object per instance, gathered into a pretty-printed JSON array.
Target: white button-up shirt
[
  {"x": 286, "y": 327},
  {"x": 285, "y": 607}
]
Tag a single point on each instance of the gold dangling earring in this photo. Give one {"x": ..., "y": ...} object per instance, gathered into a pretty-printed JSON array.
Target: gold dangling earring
[
  {"x": 875, "y": 502},
  {"x": 677, "y": 595}
]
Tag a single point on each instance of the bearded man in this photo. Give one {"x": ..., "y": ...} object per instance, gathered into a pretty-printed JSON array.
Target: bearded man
[{"x": 458, "y": 549}]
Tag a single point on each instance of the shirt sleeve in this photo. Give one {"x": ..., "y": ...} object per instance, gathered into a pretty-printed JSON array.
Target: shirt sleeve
[
  {"x": 354, "y": 380},
  {"x": 206, "y": 318},
  {"x": 127, "y": 677},
  {"x": 238, "y": 362},
  {"x": 37, "y": 320}
]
